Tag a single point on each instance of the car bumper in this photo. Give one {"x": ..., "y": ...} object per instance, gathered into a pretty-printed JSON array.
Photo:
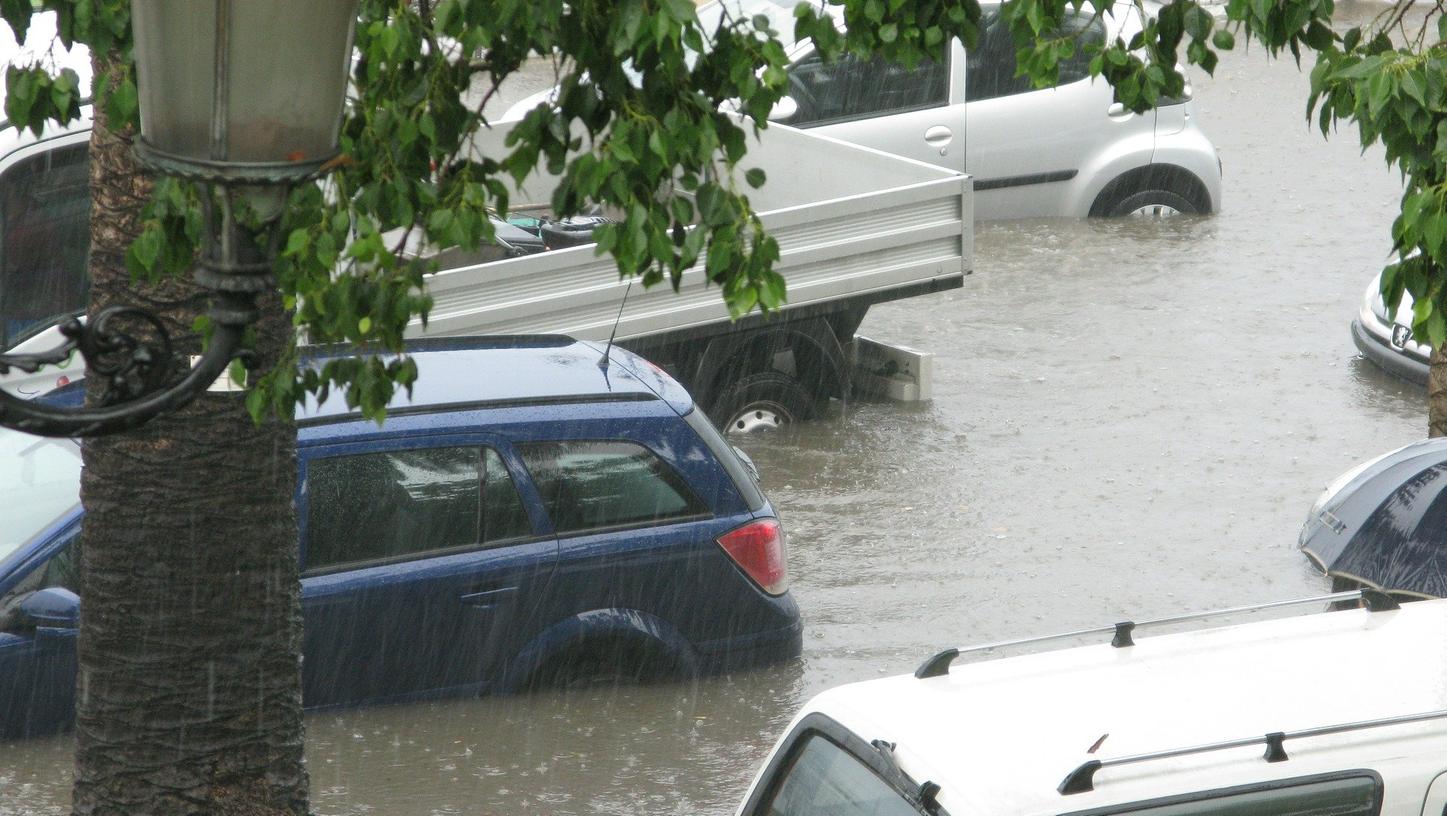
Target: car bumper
[
  {"x": 1370, "y": 340},
  {"x": 751, "y": 651}
]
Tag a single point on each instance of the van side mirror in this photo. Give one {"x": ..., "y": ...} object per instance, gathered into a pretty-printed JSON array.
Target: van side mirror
[
  {"x": 54, "y": 607},
  {"x": 785, "y": 108}
]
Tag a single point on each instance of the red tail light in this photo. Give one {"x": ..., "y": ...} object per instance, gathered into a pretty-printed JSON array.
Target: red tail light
[{"x": 758, "y": 548}]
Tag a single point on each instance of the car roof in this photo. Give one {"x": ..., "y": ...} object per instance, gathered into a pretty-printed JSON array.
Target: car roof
[
  {"x": 1001, "y": 735},
  {"x": 479, "y": 372}
]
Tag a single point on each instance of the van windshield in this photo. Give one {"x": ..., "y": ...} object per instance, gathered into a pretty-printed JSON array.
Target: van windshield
[
  {"x": 38, "y": 484},
  {"x": 44, "y": 241}
]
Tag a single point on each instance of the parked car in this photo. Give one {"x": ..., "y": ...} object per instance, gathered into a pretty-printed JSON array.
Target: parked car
[
  {"x": 1386, "y": 339},
  {"x": 529, "y": 515},
  {"x": 1062, "y": 151},
  {"x": 1381, "y": 524},
  {"x": 1341, "y": 713}
]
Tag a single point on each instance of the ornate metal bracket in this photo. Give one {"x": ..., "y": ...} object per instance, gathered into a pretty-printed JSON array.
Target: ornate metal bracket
[{"x": 129, "y": 350}]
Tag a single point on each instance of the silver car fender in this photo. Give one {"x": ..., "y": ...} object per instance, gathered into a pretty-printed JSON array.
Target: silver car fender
[{"x": 1113, "y": 161}]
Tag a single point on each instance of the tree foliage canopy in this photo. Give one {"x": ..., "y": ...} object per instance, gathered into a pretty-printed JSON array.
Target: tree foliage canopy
[{"x": 639, "y": 125}]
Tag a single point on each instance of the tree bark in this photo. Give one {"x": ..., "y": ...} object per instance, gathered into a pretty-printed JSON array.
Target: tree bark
[
  {"x": 1437, "y": 393},
  {"x": 189, "y": 689}
]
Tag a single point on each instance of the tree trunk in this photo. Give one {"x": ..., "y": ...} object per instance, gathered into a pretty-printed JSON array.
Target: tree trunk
[
  {"x": 189, "y": 691},
  {"x": 1437, "y": 393}
]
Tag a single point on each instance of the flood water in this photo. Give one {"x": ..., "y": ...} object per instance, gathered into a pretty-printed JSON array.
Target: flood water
[{"x": 1129, "y": 419}]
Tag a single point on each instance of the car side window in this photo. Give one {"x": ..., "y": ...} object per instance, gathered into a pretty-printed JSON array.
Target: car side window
[
  {"x": 503, "y": 514},
  {"x": 990, "y": 68},
  {"x": 1355, "y": 794},
  {"x": 851, "y": 88},
  {"x": 391, "y": 505},
  {"x": 44, "y": 241},
  {"x": 823, "y": 779},
  {"x": 590, "y": 485}
]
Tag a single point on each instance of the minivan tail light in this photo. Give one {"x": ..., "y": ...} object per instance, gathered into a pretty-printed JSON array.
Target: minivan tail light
[{"x": 759, "y": 550}]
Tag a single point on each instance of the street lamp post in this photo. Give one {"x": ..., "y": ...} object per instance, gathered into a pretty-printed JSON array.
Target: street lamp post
[{"x": 244, "y": 97}]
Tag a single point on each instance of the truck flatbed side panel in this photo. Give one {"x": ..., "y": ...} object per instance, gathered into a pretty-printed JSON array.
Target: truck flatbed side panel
[{"x": 852, "y": 223}]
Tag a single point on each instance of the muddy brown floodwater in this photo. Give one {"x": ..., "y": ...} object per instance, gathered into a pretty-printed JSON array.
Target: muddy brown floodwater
[{"x": 1129, "y": 419}]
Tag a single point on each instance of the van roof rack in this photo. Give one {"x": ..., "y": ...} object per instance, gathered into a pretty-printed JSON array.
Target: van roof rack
[
  {"x": 1082, "y": 779},
  {"x": 939, "y": 665}
]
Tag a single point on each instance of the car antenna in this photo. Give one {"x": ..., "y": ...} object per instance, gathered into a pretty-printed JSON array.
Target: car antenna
[{"x": 603, "y": 362}]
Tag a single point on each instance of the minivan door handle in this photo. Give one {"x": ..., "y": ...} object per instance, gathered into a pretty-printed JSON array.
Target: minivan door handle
[
  {"x": 1116, "y": 110},
  {"x": 938, "y": 136},
  {"x": 489, "y": 599}
]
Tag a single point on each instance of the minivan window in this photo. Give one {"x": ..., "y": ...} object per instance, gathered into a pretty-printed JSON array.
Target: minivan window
[
  {"x": 590, "y": 485},
  {"x": 1358, "y": 794},
  {"x": 44, "y": 241},
  {"x": 385, "y": 506},
  {"x": 823, "y": 779},
  {"x": 850, "y": 88},
  {"x": 990, "y": 67}
]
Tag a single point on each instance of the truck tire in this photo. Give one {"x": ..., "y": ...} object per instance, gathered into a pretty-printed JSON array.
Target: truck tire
[{"x": 762, "y": 401}]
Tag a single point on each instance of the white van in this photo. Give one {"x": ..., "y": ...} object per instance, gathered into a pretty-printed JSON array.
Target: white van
[{"x": 1341, "y": 713}]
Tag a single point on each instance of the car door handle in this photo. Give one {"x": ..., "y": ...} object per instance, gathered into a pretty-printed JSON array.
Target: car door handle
[
  {"x": 1117, "y": 110},
  {"x": 938, "y": 136},
  {"x": 490, "y": 598}
]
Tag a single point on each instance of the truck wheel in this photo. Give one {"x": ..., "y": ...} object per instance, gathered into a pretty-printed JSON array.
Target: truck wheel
[{"x": 761, "y": 402}]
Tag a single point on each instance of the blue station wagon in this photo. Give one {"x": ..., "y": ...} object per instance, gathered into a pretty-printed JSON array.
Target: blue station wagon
[{"x": 528, "y": 516}]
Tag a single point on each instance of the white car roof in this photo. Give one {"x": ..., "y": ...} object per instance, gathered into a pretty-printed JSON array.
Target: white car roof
[{"x": 1001, "y": 735}]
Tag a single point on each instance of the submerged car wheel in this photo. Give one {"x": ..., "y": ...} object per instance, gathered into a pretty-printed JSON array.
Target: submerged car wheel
[
  {"x": 762, "y": 402},
  {"x": 610, "y": 662},
  {"x": 1153, "y": 204},
  {"x": 1152, "y": 191}
]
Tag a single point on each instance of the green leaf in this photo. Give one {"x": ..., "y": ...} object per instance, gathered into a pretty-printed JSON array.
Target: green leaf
[
  {"x": 1380, "y": 90},
  {"x": 296, "y": 242},
  {"x": 146, "y": 249},
  {"x": 1319, "y": 36},
  {"x": 1198, "y": 22},
  {"x": 1412, "y": 85},
  {"x": 755, "y": 177},
  {"x": 122, "y": 102},
  {"x": 1223, "y": 40}
]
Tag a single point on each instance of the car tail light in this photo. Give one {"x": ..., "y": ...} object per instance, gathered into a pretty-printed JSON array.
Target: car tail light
[{"x": 759, "y": 550}]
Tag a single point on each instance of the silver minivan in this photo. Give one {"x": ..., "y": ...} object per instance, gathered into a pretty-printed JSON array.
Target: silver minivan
[
  {"x": 1062, "y": 151},
  {"x": 1069, "y": 150}
]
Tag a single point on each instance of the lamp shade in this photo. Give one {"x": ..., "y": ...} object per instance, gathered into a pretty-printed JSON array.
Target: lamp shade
[{"x": 242, "y": 88}]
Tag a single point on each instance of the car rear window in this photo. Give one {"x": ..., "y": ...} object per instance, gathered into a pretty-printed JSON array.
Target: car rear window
[
  {"x": 390, "y": 505},
  {"x": 593, "y": 485}
]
